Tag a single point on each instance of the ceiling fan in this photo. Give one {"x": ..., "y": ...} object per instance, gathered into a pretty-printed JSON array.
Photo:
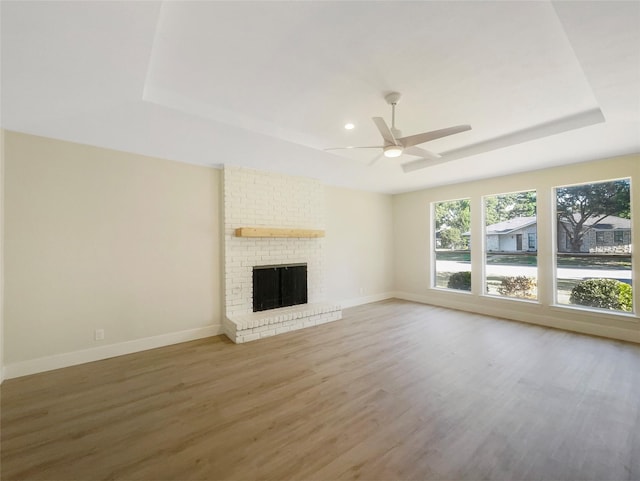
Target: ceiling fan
[{"x": 396, "y": 145}]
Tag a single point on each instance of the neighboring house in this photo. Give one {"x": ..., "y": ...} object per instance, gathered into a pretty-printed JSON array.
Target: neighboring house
[
  {"x": 610, "y": 235},
  {"x": 513, "y": 235}
]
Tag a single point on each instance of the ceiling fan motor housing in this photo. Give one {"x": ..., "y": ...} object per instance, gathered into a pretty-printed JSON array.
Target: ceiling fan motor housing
[{"x": 392, "y": 98}]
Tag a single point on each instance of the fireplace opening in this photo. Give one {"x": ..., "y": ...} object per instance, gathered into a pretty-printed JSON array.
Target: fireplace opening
[{"x": 279, "y": 286}]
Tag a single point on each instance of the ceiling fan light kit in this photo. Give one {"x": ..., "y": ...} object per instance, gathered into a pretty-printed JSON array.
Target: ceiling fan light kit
[
  {"x": 395, "y": 145},
  {"x": 393, "y": 151}
]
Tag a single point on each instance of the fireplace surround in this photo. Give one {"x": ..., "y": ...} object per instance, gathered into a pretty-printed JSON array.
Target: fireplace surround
[{"x": 272, "y": 220}]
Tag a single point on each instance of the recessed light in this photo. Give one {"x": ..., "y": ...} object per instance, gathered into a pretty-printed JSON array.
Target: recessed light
[{"x": 349, "y": 126}]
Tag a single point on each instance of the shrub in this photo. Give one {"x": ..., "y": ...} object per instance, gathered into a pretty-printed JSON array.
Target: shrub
[
  {"x": 602, "y": 293},
  {"x": 460, "y": 281},
  {"x": 624, "y": 297},
  {"x": 518, "y": 286}
]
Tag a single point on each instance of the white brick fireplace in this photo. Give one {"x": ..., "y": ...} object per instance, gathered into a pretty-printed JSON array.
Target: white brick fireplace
[{"x": 262, "y": 199}]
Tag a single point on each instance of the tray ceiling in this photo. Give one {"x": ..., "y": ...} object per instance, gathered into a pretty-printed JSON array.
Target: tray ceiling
[{"x": 269, "y": 85}]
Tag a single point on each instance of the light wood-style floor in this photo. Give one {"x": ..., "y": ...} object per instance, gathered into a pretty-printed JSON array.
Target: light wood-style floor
[{"x": 395, "y": 390}]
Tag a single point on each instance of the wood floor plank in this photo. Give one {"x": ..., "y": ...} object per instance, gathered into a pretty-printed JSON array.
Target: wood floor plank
[{"x": 395, "y": 390}]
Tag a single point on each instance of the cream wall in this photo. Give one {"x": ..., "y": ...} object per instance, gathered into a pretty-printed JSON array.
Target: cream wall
[
  {"x": 413, "y": 248},
  {"x": 100, "y": 239},
  {"x": 359, "y": 246},
  {"x": 96, "y": 238},
  {"x": 1, "y": 255}
]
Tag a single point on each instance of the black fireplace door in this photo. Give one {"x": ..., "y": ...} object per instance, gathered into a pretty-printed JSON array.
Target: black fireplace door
[{"x": 279, "y": 286}]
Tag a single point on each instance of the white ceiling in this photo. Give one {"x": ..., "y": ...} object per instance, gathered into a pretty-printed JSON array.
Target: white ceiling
[{"x": 269, "y": 85}]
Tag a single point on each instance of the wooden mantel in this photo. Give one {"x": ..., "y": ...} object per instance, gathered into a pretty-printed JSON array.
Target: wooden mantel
[{"x": 277, "y": 232}]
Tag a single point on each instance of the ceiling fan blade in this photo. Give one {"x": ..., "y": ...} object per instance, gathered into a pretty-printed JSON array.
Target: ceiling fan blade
[
  {"x": 385, "y": 131},
  {"x": 416, "y": 139},
  {"x": 425, "y": 154},
  {"x": 366, "y": 147},
  {"x": 375, "y": 159},
  {"x": 422, "y": 164}
]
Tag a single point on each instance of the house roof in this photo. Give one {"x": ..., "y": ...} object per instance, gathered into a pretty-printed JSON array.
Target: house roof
[
  {"x": 608, "y": 223},
  {"x": 510, "y": 225}
]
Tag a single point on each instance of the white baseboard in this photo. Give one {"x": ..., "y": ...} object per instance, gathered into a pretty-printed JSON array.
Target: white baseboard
[
  {"x": 57, "y": 361},
  {"x": 542, "y": 317},
  {"x": 358, "y": 301}
]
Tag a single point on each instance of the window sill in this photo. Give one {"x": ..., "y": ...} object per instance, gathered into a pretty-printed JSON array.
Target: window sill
[
  {"x": 533, "y": 302},
  {"x": 455, "y": 291},
  {"x": 597, "y": 313}
]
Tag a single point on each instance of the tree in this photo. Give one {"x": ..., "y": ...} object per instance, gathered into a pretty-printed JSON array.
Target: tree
[
  {"x": 454, "y": 213},
  {"x": 451, "y": 239},
  {"x": 577, "y": 205},
  {"x": 499, "y": 208},
  {"x": 453, "y": 218},
  {"x": 524, "y": 204}
]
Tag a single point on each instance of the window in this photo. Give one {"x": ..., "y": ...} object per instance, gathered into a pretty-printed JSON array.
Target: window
[
  {"x": 594, "y": 271},
  {"x": 510, "y": 265},
  {"x": 452, "y": 222}
]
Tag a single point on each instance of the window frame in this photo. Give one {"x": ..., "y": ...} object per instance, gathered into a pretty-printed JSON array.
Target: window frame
[
  {"x": 484, "y": 287},
  {"x": 590, "y": 311},
  {"x": 433, "y": 237}
]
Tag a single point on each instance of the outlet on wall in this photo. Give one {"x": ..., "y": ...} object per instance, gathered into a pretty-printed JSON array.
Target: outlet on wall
[
  {"x": 362, "y": 290},
  {"x": 99, "y": 335}
]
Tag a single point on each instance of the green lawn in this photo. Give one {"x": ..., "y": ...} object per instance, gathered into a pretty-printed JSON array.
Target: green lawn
[
  {"x": 595, "y": 261},
  {"x": 512, "y": 259},
  {"x": 591, "y": 261},
  {"x": 459, "y": 256}
]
